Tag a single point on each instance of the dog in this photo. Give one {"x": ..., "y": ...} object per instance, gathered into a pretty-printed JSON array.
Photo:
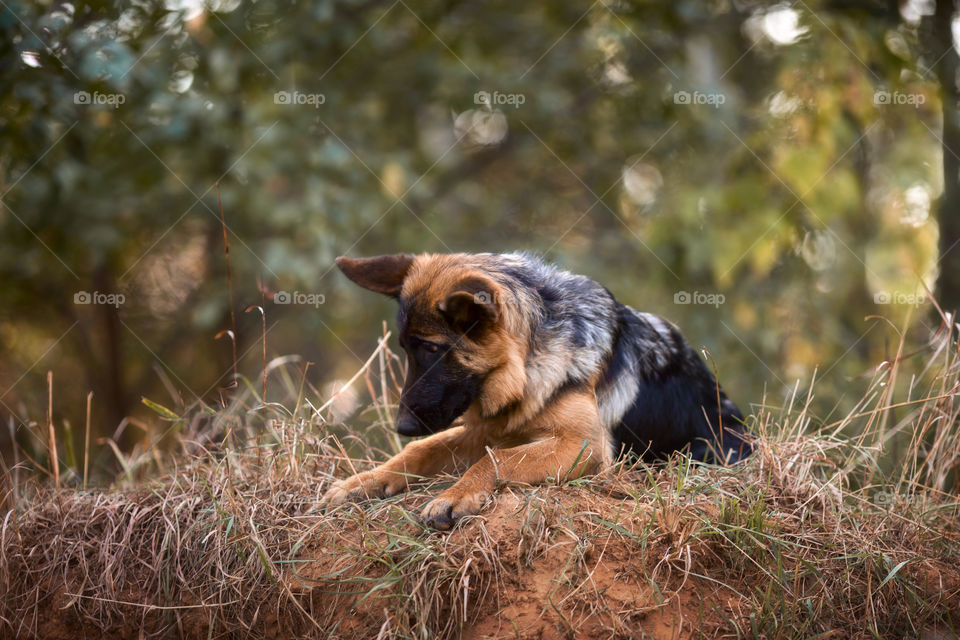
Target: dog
[{"x": 519, "y": 371}]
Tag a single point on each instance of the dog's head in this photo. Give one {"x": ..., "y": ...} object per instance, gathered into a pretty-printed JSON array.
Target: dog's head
[{"x": 456, "y": 331}]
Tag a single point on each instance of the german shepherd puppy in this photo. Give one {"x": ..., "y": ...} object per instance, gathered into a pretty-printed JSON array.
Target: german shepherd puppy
[{"x": 552, "y": 377}]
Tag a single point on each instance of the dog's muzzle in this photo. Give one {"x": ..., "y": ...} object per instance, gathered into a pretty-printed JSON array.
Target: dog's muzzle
[{"x": 409, "y": 425}]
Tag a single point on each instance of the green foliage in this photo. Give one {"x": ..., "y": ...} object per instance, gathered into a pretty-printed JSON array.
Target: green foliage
[{"x": 352, "y": 127}]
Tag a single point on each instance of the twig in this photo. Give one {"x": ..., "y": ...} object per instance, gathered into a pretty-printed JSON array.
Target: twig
[
  {"x": 226, "y": 252},
  {"x": 382, "y": 344},
  {"x": 152, "y": 607},
  {"x": 86, "y": 441},
  {"x": 263, "y": 321},
  {"x": 54, "y": 461}
]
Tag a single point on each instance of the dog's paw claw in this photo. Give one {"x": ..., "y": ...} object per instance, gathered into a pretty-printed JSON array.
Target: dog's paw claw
[
  {"x": 444, "y": 511},
  {"x": 334, "y": 497},
  {"x": 359, "y": 487},
  {"x": 443, "y": 520}
]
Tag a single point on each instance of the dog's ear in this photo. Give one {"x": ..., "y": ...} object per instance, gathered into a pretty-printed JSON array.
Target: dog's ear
[
  {"x": 383, "y": 274},
  {"x": 472, "y": 308}
]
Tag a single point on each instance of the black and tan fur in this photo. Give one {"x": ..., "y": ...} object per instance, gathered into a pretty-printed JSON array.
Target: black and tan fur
[{"x": 551, "y": 376}]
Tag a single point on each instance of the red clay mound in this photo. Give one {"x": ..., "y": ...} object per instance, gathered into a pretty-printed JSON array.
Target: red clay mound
[{"x": 231, "y": 551}]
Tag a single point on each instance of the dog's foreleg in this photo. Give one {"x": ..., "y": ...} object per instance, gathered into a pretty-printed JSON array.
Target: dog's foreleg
[
  {"x": 567, "y": 442},
  {"x": 439, "y": 453}
]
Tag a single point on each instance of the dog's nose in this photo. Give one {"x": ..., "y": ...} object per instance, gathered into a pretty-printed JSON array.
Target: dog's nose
[{"x": 407, "y": 425}]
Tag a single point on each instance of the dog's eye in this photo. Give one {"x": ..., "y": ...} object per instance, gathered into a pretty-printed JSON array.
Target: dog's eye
[{"x": 422, "y": 346}]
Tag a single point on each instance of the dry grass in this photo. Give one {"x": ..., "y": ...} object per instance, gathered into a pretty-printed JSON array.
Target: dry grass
[{"x": 823, "y": 532}]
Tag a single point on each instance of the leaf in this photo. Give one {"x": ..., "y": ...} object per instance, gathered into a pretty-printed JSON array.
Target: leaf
[
  {"x": 893, "y": 573},
  {"x": 161, "y": 410},
  {"x": 264, "y": 559}
]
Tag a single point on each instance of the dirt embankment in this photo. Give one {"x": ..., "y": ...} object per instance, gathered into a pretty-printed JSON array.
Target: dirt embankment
[{"x": 665, "y": 555}]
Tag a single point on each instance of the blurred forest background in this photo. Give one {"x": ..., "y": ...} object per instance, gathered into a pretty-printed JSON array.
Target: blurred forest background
[{"x": 770, "y": 177}]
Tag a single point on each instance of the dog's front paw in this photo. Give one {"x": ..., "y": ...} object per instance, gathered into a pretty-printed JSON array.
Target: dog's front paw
[
  {"x": 443, "y": 511},
  {"x": 369, "y": 484}
]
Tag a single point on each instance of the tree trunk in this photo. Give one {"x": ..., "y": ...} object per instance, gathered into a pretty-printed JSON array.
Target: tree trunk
[
  {"x": 116, "y": 403},
  {"x": 948, "y": 284}
]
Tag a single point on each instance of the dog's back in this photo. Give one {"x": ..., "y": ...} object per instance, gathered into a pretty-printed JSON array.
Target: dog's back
[{"x": 654, "y": 392}]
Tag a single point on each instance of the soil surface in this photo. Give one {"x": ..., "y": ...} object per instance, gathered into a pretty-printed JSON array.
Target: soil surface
[{"x": 546, "y": 562}]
